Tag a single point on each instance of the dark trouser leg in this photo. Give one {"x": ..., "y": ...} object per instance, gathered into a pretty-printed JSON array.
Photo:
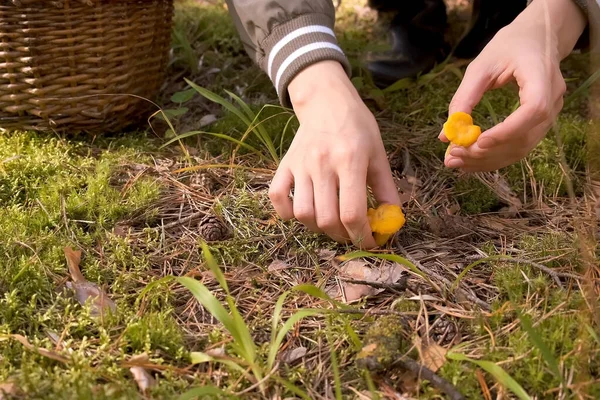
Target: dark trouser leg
[
  {"x": 489, "y": 16},
  {"x": 417, "y": 33}
]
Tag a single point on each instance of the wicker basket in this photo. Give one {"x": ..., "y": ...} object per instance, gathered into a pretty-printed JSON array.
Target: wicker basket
[{"x": 65, "y": 64}]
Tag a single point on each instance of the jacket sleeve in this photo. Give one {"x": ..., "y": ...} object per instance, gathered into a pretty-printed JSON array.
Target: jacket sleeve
[{"x": 286, "y": 36}]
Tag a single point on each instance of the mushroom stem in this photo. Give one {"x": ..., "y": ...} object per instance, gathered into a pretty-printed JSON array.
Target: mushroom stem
[{"x": 381, "y": 238}]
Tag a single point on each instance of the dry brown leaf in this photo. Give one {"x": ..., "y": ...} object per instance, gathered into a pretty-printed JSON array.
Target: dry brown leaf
[
  {"x": 278, "y": 265},
  {"x": 41, "y": 351},
  {"x": 433, "y": 356},
  {"x": 143, "y": 379},
  {"x": 73, "y": 259},
  {"x": 294, "y": 355},
  {"x": 216, "y": 352},
  {"x": 8, "y": 390},
  {"x": 357, "y": 270},
  {"x": 326, "y": 254},
  {"x": 409, "y": 382},
  {"x": 86, "y": 291}
]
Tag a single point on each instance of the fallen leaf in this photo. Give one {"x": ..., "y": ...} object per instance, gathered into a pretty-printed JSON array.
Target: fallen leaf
[
  {"x": 294, "y": 355},
  {"x": 278, "y": 265},
  {"x": 424, "y": 297},
  {"x": 8, "y": 390},
  {"x": 41, "y": 351},
  {"x": 143, "y": 379},
  {"x": 500, "y": 186},
  {"x": 409, "y": 382},
  {"x": 326, "y": 254},
  {"x": 86, "y": 291},
  {"x": 207, "y": 120},
  {"x": 73, "y": 259},
  {"x": 216, "y": 352},
  {"x": 356, "y": 270},
  {"x": 433, "y": 356}
]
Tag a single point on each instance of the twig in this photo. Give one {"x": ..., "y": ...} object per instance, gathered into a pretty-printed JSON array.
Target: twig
[
  {"x": 437, "y": 276},
  {"x": 181, "y": 221},
  {"x": 403, "y": 318},
  {"x": 554, "y": 274},
  {"x": 400, "y": 286},
  {"x": 432, "y": 377}
]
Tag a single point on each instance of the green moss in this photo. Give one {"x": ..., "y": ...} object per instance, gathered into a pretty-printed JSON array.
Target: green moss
[
  {"x": 475, "y": 197},
  {"x": 384, "y": 343},
  {"x": 155, "y": 331}
]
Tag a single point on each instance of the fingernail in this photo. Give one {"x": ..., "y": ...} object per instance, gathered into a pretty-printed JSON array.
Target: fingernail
[
  {"x": 457, "y": 151},
  {"x": 454, "y": 163},
  {"x": 441, "y": 135},
  {"x": 485, "y": 142}
]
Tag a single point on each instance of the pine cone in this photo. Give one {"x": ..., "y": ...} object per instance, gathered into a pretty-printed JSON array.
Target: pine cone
[
  {"x": 212, "y": 229},
  {"x": 444, "y": 331}
]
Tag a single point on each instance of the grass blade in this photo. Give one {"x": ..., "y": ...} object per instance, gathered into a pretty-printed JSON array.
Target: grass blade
[
  {"x": 197, "y": 357},
  {"x": 314, "y": 291},
  {"x": 490, "y": 108},
  {"x": 152, "y": 286},
  {"x": 205, "y": 392},
  {"x": 593, "y": 333},
  {"x": 335, "y": 368},
  {"x": 277, "y": 314},
  {"x": 214, "y": 267},
  {"x": 245, "y": 107},
  {"x": 284, "y": 134},
  {"x": 190, "y": 55},
  {"x": 215, "y": 98},
  {"x": 581, "y": 89},
  {"x": 538, "y": 342},
  {"x": 466, "y": 270},
  {"x": 496, "y": 371},
  {"x": 212, "y": 305},
  {"x": 289, "y": 324},
  {"x": 292, "y": 388},
  {"x": 217, "y": 135}
]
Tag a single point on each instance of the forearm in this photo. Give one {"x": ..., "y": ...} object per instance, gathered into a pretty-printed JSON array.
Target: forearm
[
  {"x": 286, "y": 36},
  {"x": 564, "y": 21}
]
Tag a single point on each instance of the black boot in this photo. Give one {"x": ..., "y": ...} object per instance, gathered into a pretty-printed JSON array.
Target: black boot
[
  {"x": 488, "y": 17},
  {"x": 417, "y": 34}
]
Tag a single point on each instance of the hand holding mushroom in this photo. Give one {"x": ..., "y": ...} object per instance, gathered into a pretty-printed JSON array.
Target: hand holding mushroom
[{"x": 528, "y": 51}]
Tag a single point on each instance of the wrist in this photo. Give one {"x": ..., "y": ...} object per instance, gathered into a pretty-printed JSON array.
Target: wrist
[
  {"x": 563, "y": 19},
  {"x": 321, "y": 83}
]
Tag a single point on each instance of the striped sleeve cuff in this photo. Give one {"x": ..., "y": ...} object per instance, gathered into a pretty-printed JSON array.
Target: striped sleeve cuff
[{"x": 297, "y": 44}]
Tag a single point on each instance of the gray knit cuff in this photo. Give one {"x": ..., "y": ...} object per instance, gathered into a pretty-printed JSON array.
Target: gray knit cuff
[{"x": 297, "y": 44}]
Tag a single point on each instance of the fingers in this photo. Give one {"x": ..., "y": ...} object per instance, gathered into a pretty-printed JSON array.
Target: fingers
[
  {"x": 379, "y": 178},
  {"x": 538, "y": 106},
  {"x": 353, "y": 207},
  {"x": 476, "y": 82},
  {"x": 279, "y": 193},
  {"x": 304, "y": 207},
  {"x": 327, "y": 207}
]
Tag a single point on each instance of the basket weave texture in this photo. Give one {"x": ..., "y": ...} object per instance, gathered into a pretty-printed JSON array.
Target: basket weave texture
[{"x": 65, "y": 65}]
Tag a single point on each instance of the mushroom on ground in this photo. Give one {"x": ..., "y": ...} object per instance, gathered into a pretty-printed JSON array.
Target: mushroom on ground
[{"x": 385, "y": 220}]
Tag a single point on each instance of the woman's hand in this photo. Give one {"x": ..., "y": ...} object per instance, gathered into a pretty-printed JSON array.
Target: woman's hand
[
  {"x": 527, "y": 51},
  {"x": 336, "y": 152}
]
